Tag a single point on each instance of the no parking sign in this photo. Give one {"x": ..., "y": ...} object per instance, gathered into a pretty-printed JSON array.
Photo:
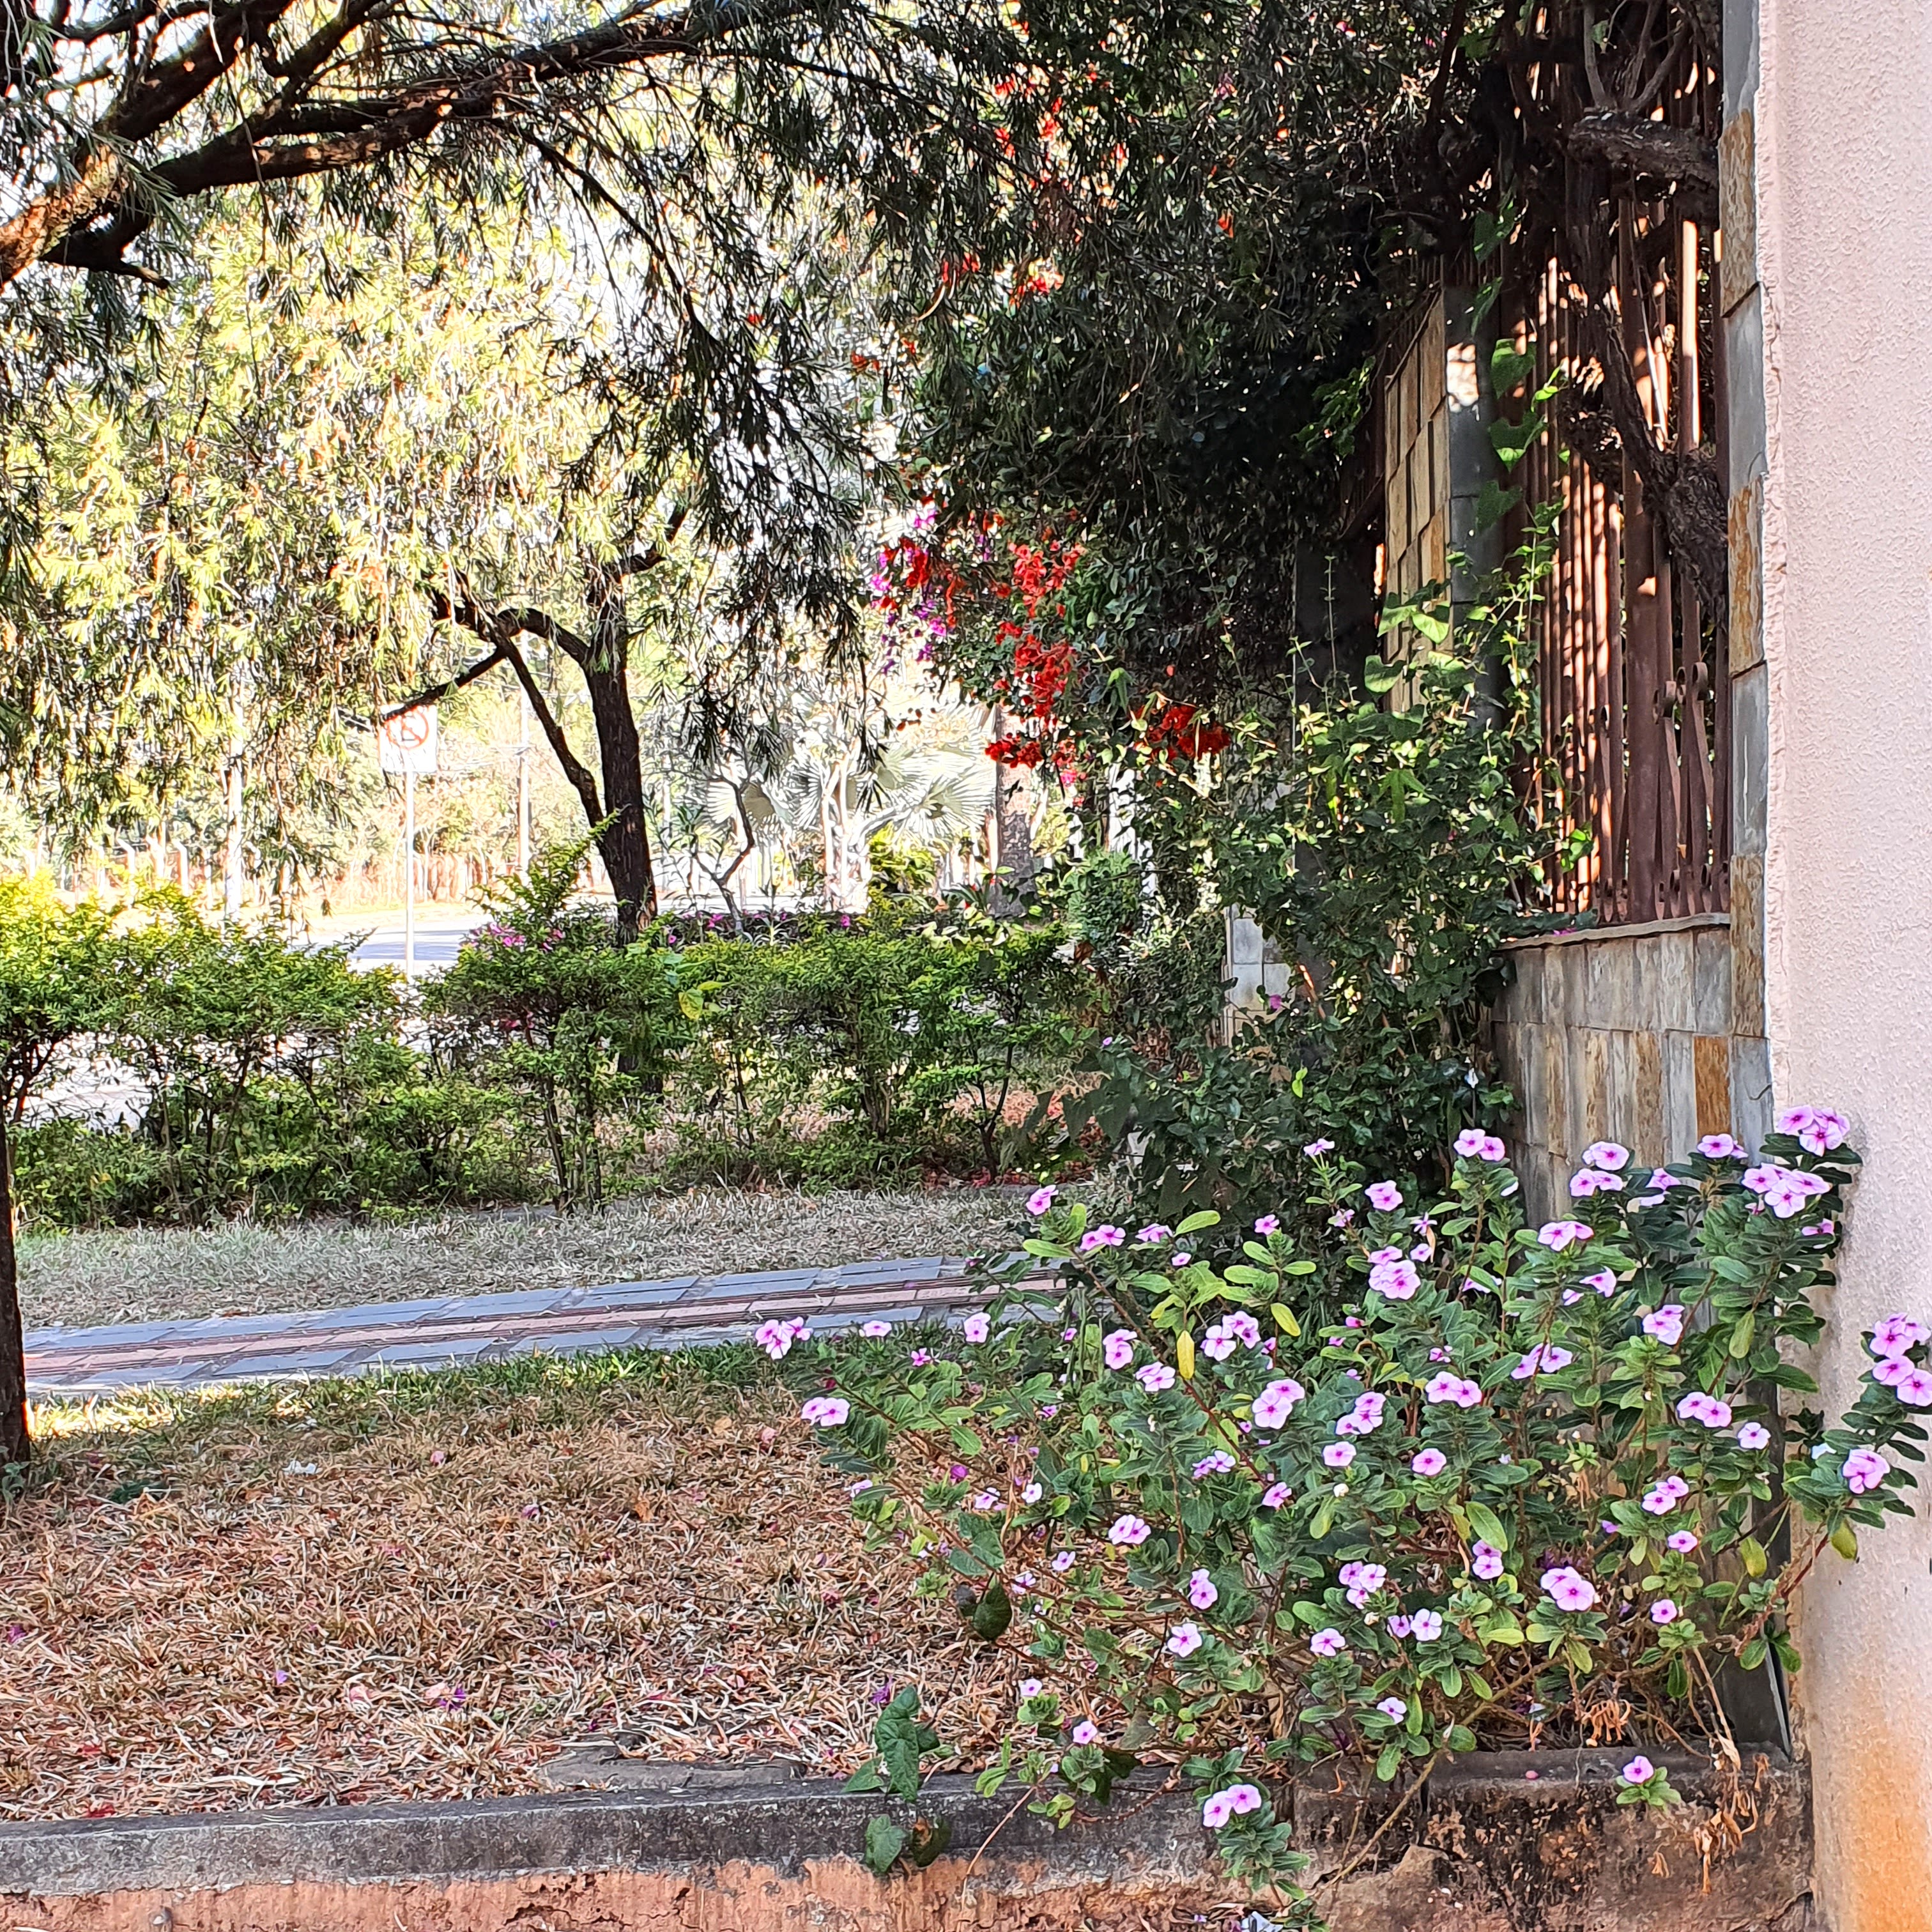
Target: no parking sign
[{"x": 406, "y": 742}]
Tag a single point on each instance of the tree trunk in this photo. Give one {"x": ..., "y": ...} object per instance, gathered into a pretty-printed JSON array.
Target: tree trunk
[
  {"x": 14, "y": 1445},
  {"x": 624, "y": 844}
]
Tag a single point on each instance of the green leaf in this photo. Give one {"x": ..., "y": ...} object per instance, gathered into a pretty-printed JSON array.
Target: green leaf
[
  {"x": 884, "y": 1841},
  {"x": 1493, "y": 503},
  {"x": 1488, "y": 1525},
  {"x": 1752, "y": 1552},
  {"x": 1205, "y": 1218},
  {"x": 1752, "y": 1655},
  {"x": 1845, "y": 1541},
  {"x": 1379, "y": 677},
  {"x": 1508, "y": 365},
  {"x": 1284, "y": 1319}
]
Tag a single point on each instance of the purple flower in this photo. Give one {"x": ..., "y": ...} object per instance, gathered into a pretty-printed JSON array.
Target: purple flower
[
  {"x": 1128, "y": 1532},
  {"x": 1315, "y": 1150},
  {"x": 1569, "y": 1589},
  {"x": 1062, "y": 1563},
  {"x": 1155, "y": 1377},
  {"x": 1486, "y": 1562},
  {"x": 1180, "y": 1260},
  {"x": 1865, "y": 1469},
  {"x": 1200, "y": 1591},
  {"x": 1086, "y": 1732},
  {"x": 1429, "y": 1462},
  {"x": 1040, "y": 1200},
  {"x": 1030, "y": 1687},
  {"x": 1117, "y": 1350},
  {"x": 1268, "y": 1224},
  {"x": 1327, "y": 1643},
  {"x": 1666, "y": 1325},
  {"x": 985, "y": 1500},
  {"x": 1399, "y": 1627},
  {"x": 1218, "y": 1463},
  {"x": 875, "y": 1329},
  {"x": 1383, "y": 1195},
  {"x": 1341, "y": 1217},
  {"x": 1184, "y": 1640},
  {"x": 1640, "y": 1770},
  {"x": 1031, "y": 1494},
  {"x": 921, "y": 1358},
  {"x": 1154, "y": 1233}
]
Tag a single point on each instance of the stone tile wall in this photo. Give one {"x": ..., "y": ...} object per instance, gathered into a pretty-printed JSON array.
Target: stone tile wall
[{"x": 1643, "y": 1034}]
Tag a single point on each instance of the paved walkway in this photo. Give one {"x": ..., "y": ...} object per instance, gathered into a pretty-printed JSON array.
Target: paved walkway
[{"x": 689, "y": 1312}]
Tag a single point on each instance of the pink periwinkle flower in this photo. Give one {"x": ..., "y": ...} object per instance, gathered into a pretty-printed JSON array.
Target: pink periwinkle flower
[
  {"x": 1427, "y": 1626},
  {"x": 1218, "y": 1463},
  {"x": 1117, "y": 1350},
  {"x": 1383, "y": 1195},
  {"x": 975, "y": 1328},
  {"x": 1274, "y": 1495},
  {"x": 1217, "y": 1344},
  {"x": 1184, "y": 1640},
  {"x": 1898, "y": 1333},
  {"x": 1864, "y": 1470},
  {"x": 1327, "y": 1643},
  {"x": 1604, "y": 1281},
  {"x": 1719, "y": 1146},
  {"x": 1399, "y": 1627},
  {"x": 985, "y": 1501},
  {"x": 1666, "y": 1323},
  {"x": 1086, "y": 1732},
  {"x": 1663, "y": 1611},
  {"x": 1243, "y": 1327},
  {"x": 1394, "y": 1708},
  {"x": 921, "y": 1358},
  {"x": 1315, "y": 1150},
  {"x": 1338, "y": 1455},
  {"x": 1606, "y": 1155},
  {"x": 1448, "y": 1387},
  {"x": 1030, "y": 1687},
  {"x": 775, "y": 1338},
  {"x": 1154, "y": 1233},
  {"x": 1200, "y": 1591},
  {"x": 1753, "y": 1435},
  {"x": 1429, "y": 1462},
  {"x": 1469, "y": 1143},
  {"x": 1681, "y": 1541},
  {"x": 1180, "y": 1260},
  {"x": 1818, "y": 1129},
  {"x": 1040, "y": 1200},
  {"x": 1638, "y": 1771},
  {"x": 875, "y": 1329},
  {"x": 1492, "y": 1150},
  {"x": 1890, "y": 1370},
  {"x": 1155, "y": 1377},
  {"x": 826, "y": 1412},
  {"x": 1062, "y": 1563},
  {"x": 1391, "y": 1253},
  {"x": 1128, "y": 1532},
  {"x": 1397, "y": 1280},
  {"x": 1341, "y": 1217},
  {"x": 1486, "y": 1561},
  {"x": 1558, "y": 1235},
  {"x": 1268, "y": 1224},
  {"x": 1712, "y": 1411},
  {"x": 1275, "y": 1403},
  {"x": 1914, "y": 1388},
  {"x": 1569, "y": 1589},
  {"x": 1031, "y": 1494}
]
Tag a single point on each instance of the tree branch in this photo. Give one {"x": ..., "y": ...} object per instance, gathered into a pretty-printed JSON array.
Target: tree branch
[{"x": 1652, "y": 148}]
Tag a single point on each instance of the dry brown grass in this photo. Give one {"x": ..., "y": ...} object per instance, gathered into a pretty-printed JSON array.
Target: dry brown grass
[
  {"x": 133, "y": 1274},
  {"x": 424, "y": 1587}
]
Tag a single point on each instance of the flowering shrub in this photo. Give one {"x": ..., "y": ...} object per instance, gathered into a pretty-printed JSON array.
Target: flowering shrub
[{"x": 1514, "y": 1484}]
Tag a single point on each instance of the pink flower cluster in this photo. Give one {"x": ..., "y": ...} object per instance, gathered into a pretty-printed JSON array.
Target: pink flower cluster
[
  {"x": 1128, "y": 1532},
  {"x": 1365, "y": 1417},
  {"x": 1383, "y": 1195},
  {"x": 1666, "y": 1324},
  {"x": 1472, "y": 1143},
  {"x": 1155, "y": 1377},
  {"x": 1569, "y": 1589},
  {"x": 1784, "y": 1190},
  {"x": 1200, "y": 1591},
  {"x": 1234, "y": 1802},
  {"x": 1545, "y": 1358},
  {"x": 1103, "y": 1237},
  {"x": 1486, "y": 1562},
  {"x": 1818, "y": 1130},
  {"x": 1712, "y": 1411},
  {"x": 1275, "y": 1403},
  {"x": 1558, "y": 1235},
  {"x": 1361, "y": 1581},
  {"x": 1238, "y": 1330},
  {"x": 1448, "y": 1387},
  {"x": 1865, "y": 1469},
  {"x": 1663, "y": 1496},
  {"x": 1396, "y": 1279},
  {"x": 1892, "y": 1342},
  {"x": 1218, "y": 1462},
  {"x": 775, "y": 1338},
  {"x": 825, "y": 1411}
]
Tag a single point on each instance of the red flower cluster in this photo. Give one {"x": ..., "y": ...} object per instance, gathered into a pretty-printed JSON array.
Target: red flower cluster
[{"x": 1180, "y": 731}]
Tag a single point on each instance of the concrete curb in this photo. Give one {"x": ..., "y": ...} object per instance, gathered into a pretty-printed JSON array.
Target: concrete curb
[{"x": 1496, "y": 1843}]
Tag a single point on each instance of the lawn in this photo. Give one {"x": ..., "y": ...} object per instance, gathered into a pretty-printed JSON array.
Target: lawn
[
  {"x": 243, "y": 1267},
  {"x": 426, "y": 1586}
]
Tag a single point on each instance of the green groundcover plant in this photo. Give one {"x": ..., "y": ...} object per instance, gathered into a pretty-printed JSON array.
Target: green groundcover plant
[{"x": 1457, "y": 1482}]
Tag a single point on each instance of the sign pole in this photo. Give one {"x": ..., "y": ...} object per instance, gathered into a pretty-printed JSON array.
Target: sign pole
[{"x": 409, "y": 873}]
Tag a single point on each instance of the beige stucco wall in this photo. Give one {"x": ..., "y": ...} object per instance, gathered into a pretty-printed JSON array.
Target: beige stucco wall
[{"x": 1844, "y": 218}]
